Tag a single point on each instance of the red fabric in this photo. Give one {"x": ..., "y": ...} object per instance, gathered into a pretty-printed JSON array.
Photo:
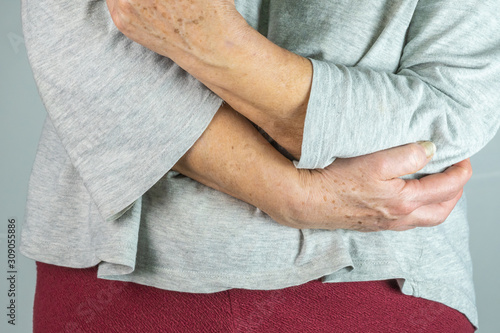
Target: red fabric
[{"x": 75, "y": 300}]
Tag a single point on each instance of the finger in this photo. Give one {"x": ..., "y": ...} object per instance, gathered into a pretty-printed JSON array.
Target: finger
[
  {"x": 439, "y": 187},
  {"x": 403, "y": 160},
  {"x": 428, "y": 215}
]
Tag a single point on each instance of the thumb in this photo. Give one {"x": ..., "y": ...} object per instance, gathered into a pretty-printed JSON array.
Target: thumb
[{"x": 402, "y": 160}]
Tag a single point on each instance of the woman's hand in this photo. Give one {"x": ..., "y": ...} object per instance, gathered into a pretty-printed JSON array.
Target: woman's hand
[
  {"x": 212, "y": 41},
  {"x": 232, "y": 156},
  {"x": 364, "y": 193},
  {"x": 177, "y": 28}
]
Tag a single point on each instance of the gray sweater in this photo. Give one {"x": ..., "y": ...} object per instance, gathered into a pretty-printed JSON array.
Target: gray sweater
[{"x": 386, "y": 73}]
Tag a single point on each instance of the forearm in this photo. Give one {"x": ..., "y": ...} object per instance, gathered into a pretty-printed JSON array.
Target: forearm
[
  {"x": 267, "y": 84},
  {"x": 363, "y": 193},
  {"x": 438, "y": 92},
  {"x": 319, "y": 187},
  {"x": 262, "y": 81},
  {"x": 231, "y": 156}
]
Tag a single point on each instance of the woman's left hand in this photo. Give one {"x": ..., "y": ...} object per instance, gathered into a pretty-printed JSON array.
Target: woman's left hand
[{"x": 177, "y": 28}]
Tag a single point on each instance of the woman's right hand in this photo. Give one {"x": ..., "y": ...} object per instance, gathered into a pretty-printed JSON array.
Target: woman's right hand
[{"x": 365, "y": 193}]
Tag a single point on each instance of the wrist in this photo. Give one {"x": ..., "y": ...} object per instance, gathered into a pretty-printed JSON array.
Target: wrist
[
  {"x": 294, "y": 197},
  {"x": 299, "y": 198}
]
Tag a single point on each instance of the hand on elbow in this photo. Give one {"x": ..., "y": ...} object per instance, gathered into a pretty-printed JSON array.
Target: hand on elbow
[{"x": 366, "y": 194}]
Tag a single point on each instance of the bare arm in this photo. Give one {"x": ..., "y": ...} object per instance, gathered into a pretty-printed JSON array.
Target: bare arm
[
  {"x": 241, "y": 66},
  {"x": 361, "y": 193},
  {"x": 233, "y": 157},
  {"x": 445, "y": 88}
]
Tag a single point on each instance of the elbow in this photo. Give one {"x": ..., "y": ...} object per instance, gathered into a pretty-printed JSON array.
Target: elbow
[{"x": 465, "y": 130}]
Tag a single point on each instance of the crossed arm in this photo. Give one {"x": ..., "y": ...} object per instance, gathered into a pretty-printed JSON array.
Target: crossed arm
[{"x": 362, "y": 193}]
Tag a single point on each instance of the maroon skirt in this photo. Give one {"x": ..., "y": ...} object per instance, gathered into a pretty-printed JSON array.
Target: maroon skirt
[{"x": 75, "y": 301}]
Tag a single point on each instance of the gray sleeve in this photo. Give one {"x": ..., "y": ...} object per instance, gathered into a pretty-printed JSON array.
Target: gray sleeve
[
  {"x": 124, "y": 114},
  {"x": 446, "y": 89}
]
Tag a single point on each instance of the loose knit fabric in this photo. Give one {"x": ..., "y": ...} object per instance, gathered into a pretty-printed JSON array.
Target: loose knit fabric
[
  {"x": 96, "y": 305},
  {"x": 120, "y": 116}
]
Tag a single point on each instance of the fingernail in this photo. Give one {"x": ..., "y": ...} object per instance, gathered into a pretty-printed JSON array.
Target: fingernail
[{"x": 429, "y": 146}]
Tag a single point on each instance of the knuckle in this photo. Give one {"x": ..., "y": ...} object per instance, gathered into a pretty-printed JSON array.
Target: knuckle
[
  {"x": 385, "y": 220},
  {"x": 404, "y": 208},
  {"x": 433, "y": 221},
  {"x": 400, "y": 207},
  {"x": 381, "y": 166},
  {"x": 390, "y": 213},
  {"x": 118, "y": 22},
  {"x": 119, "y": 14},
  {"x": 436, "y": 222},
  {"x": 115, "y": 16}
]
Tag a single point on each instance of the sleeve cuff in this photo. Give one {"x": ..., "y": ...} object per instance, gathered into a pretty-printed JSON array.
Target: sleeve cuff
[{"x": 314, "y": 155}]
